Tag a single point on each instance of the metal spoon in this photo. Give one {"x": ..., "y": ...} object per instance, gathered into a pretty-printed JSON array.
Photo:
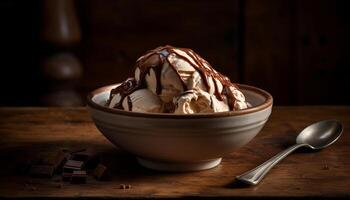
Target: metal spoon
[{"x": 316, "y": 136}]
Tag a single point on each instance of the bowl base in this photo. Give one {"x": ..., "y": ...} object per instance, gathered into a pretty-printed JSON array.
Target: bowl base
[{"x": 179, "y": 166}]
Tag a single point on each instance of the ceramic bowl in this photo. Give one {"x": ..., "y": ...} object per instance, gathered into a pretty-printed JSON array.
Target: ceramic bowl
[{"x": 180, "y": 142}]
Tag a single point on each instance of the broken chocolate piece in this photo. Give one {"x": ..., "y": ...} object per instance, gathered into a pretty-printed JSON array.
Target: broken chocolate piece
[
  {"x": 42, "y": 170},
  {"x": 79, "y": 176},
  {"x": 74, "y": 164},
  {"x": 79, "y": 173},
  {"x": 67, "y": 176},
  {"x": 60, "y": 158},
  {"x": 100, "y": 172},
  {"x": 70, "y": 166},
  {"x": 88, "y": 156}
]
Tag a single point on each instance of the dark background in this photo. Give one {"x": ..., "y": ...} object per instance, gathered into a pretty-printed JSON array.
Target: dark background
[{"x": 298, "y": 50}]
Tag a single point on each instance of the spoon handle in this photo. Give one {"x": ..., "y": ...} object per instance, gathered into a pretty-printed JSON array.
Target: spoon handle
[{"x": 255, "y": 175}]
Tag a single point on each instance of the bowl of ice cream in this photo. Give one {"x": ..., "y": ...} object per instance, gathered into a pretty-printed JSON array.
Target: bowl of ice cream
[{"x": 178, "y": 113}]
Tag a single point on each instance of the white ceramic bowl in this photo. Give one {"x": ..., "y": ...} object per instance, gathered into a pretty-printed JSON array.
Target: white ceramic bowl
[{"x": 180, "y": 142}]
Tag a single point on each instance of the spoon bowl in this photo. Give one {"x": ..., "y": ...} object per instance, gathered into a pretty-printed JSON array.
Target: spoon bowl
[{"x": 320, "y": 134}]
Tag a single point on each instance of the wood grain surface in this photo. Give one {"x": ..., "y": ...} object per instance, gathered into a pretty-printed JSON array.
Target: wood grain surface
[{"x": 26, "y": 133}]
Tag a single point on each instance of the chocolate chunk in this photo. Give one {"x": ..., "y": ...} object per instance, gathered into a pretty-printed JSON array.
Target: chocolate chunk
[
  {"x": 74, "y": 164},
  {"x": 67, "y": 176},
  {"x": 42, "y": 170},
  {"x": 88, "y": 156},
  {"x": 79, "y": 176},
  {"x": 60, "y": 158},
  {"x": 100, "y": 172},
  {"x": 79, "y": 173}
]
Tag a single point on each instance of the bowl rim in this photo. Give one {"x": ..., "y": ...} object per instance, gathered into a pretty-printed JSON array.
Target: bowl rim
[{"x": 268, "y": 103}]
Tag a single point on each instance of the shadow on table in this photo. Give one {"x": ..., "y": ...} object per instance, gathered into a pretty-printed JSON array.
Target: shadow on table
[
  {"x": 237, "y": 184},
  {"x": 122, "y": 165}
]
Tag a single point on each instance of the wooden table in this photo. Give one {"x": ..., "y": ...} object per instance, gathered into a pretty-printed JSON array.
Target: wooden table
[{"x": 29, "y": 132}]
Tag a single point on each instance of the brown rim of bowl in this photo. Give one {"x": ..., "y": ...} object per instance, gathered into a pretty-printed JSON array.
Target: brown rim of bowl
[{"x": 266, "y": 104}]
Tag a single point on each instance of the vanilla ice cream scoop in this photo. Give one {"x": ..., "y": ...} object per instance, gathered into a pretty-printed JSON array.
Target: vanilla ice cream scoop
[
  {"x": 142, "y": 100},
  {"x": 177, "y": 80},
  {"x": 198, "y": 101},
  {"x": 128, "y": 97}
]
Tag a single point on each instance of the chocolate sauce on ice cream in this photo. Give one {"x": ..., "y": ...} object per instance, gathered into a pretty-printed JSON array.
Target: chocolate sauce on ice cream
[
  {"x": 126, "y": 88},
  {"x": 155, "y": 60}
]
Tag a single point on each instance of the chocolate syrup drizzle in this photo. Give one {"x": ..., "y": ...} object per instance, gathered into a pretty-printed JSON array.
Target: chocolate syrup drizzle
[{"x": 154, "y": 59}]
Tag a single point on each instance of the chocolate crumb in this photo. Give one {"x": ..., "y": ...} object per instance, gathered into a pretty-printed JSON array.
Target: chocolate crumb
[
  {"x": 122, "y": 186},
  {"x": 325, "y": 167},
  {"x": 125, "y": 186}
]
